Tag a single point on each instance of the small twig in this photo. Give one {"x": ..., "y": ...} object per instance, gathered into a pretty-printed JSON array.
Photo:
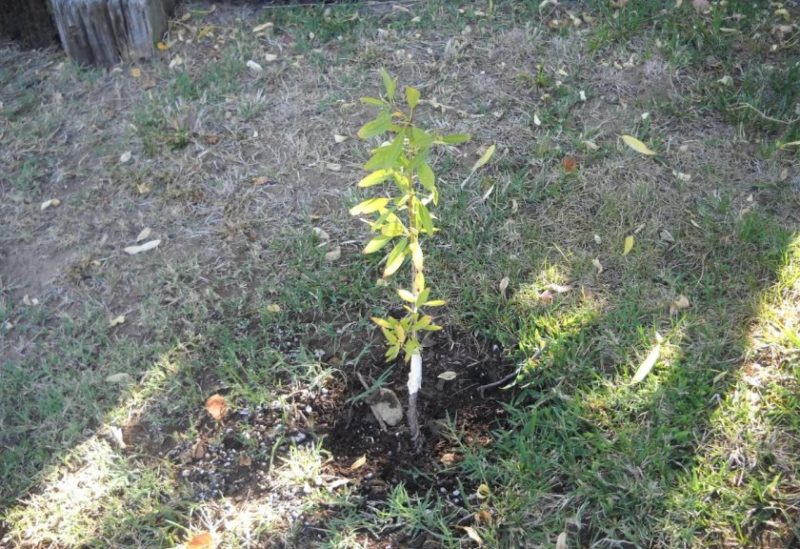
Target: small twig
[{"x": 507, "y": 378}]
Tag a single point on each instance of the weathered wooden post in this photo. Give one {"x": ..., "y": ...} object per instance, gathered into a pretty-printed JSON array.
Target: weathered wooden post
[{"x": 105, "y": 32}]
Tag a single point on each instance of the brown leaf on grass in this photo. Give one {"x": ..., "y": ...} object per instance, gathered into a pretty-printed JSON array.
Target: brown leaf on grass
[
  {"x": 216, "y": 407},
  {"x": 449, "y": 458},
  {"x": 569, "y": 164},
  {"x": 198, "y": 450},
  {"x": 245, "y": 460},
  {"x": 561, "y": 542},
  {"x": 701, "y": 5},
  {"x": 679, "y": 304},
  {"x": 211, "y": 139},
  {"x": 484, "y": 516},
  {"x": 546, "y": 297},
  {"x": 202, "y": 540},
  {"x": 262, "y": 180}
]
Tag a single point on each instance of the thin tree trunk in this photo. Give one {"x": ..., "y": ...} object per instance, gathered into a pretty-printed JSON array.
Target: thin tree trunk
[{"x": 105, "y": 32}]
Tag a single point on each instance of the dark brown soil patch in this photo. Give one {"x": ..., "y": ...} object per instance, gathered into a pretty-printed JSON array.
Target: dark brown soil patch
[{"x": 234, "y": 458}]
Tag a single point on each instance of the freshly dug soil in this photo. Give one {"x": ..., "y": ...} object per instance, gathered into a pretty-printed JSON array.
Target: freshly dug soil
[{"x": 233, "y": 458}]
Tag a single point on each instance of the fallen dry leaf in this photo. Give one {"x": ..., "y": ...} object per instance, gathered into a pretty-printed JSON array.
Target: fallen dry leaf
[
  {"x": 679, "y": 304},
  {"x": 546, "y": 297},
  {"x": 125, "y": 157},
  {"x": 637, "y": 145},
  {"x": 483, "y": 516},
  {"x": 270, "y": 57},
  {"x": 647, "y": 364},
  {"x": 503, "y": 286},
  {"x": 484, "y": 159},
  {"x": 203, "y": 540},
  {"x": 255, "y": 67},
  {"x": 449, "y": 458},
  {"x": 387, "y": 406},
  {"x": 559, "y": 289},
  {"x": 334, "y": 254},
  {"x": 628, "y": 246},
  {"x": 449, "y": 375},
  {"x": 133, "y": 250},
  {"x": 561, "y": 541},
  {"x": 262, "y": 28},
  {"x": 569, "y": 164},
  {"x": 359, "y": 463},
  {"x": 216, "y": 406},
  {"x": 666, "y": 236},
  {"x": 198, "y": 450},
  {"x": 483, "y": 491},
  {"x": 245, "y": 460},
  {"x": 340, "y": 138},
  {"x": 322, "y": 234},
  {"x": 701, "y": 5},
  {"x": 273, "y": 308},
  {"x": 144, "y": 234},
  {"x": 473, "y": 534},
  {"x": 332, "y": 166},
  {"x": 116, "y": 321},
  {"x": 52, "y": 203},
  {"x": 597, "y": 265},
  {"x": 120, "y": 378},
  {"x": 261, "y": 180},
  {"x": 162, "y": 46}
]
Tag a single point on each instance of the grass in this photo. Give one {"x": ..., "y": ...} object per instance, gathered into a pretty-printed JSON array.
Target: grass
[{"x": 239, "y": 298}]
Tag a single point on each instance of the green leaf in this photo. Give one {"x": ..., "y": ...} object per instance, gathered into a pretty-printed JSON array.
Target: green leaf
[
  {"x": 395, "y": 258},
  {"x": 422, "y": 297},
  {"x": 420, "y": 138},
  {"x": 368, "y": 206},
  {"x": 412, "y": 97},
  {"x": 425, "y": 217},
  {"x": 392, "y": 352},
  {"x": 376, "y": 177},
  {"x": 385, "y": 157},
  {"x": 375, "y": 127},
  {"x": 389, "y": 83},
  {"x": 374, "y": 101},
  {"x": 405, "y": 295},
  {"x": 412, "y": 346},
  {"x": 416, "y": 255},
  {"x": 423, "y": 322},
  {"x": 426, "y": 177},
  {"x": 376, "y": 244},
  {"x": 454, "y": 138}
]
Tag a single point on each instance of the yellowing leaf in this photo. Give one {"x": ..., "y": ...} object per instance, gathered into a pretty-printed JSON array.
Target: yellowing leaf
[
  {"x": 416, "y": 255},
  {"x": 162, "y": 46},
  {"x": 637, "y": 145},
  {"x": 405, "y": 295},
  {"x": 473, "y": 534},
  {"x": 483, "y": 491},
  {"x": 628, "y": 245},
  {"x": 647, "y": 364},
  {"x": 368, "y": 206},
  {"x": 376, "y": 177},
  {"x": 484, "y": 159},
  {"x": 216, "y": 407},
  {"x": 273, "y": 308},
  {"x": 136, "y": 72}
]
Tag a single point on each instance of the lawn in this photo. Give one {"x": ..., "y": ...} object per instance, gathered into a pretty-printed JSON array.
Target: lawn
[{"x": 642, "y": 311}]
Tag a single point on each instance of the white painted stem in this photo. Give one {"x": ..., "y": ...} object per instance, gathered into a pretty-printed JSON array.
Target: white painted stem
[{"x": 415, "y": 374}]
